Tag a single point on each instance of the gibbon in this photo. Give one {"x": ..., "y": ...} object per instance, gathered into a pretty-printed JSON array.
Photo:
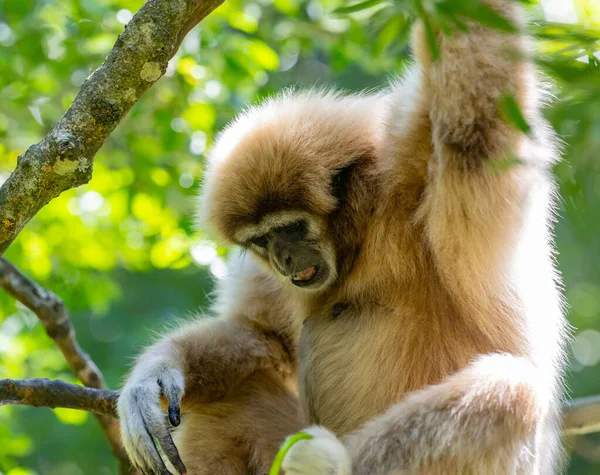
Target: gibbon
[{"x": 398, "y": 295}]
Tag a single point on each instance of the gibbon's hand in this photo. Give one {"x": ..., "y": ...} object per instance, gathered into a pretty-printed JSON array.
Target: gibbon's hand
[
  {"x": 142, "y": 418},
  {"x": 324, "y": 454}
]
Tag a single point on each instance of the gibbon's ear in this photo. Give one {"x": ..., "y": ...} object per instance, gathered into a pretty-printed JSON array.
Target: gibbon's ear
[
  {"x": 339, "y": 182},
  {"x": 340, "y": 179}
]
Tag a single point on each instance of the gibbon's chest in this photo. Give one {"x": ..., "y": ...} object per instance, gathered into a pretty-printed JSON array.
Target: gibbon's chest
[
  {"x": 353, "y": 364},
  {"x": 347, "y": 367},
  {"x": 351, "y": 367}
]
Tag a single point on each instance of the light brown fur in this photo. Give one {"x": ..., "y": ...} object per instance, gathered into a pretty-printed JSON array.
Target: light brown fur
[{"x": 448, "y": 354}]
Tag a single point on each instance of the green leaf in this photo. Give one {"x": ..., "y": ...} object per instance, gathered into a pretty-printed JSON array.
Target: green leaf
[
  {"x": 288, "y": 7},
  {"x": 489, "y": 17},
  {"x": 357, "y": 7},
  {"x": 393, "y": 29},
  {"x": 431, "y": 39},
  {"x": 513, "y": 113},
  {"x": 429, "y": 33},
  {"x": 263, "y": 55}
]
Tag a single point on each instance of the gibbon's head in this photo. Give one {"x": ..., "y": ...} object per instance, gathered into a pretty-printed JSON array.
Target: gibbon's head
[{"x": 283, "y": 181}]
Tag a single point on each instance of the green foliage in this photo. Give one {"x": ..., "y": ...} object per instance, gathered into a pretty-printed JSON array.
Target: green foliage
[
  {"x": 123, "y": 252},
  {"x": 513, "y": 113}
]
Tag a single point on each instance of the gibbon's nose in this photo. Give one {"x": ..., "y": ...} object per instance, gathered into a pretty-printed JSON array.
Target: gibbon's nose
[{"x": 283, "y": 256}]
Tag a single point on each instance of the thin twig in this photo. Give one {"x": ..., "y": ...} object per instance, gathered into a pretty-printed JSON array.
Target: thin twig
[
  {"x": 42, "y": 392},
  {"x": 582, "y": 416},
  {"x": 54, "y": 317}
]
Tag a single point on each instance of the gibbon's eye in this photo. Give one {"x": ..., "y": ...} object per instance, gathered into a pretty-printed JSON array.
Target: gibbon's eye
[
  {"x": 261, "y": 241},
  {"x": 295, "y": 227}
]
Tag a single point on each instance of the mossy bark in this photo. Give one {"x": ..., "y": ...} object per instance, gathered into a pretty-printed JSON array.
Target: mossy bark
[{"x": 64, "y": 158}]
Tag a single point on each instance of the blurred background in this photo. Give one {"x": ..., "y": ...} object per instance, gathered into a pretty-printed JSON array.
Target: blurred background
[{"x": 122, "y": 251}]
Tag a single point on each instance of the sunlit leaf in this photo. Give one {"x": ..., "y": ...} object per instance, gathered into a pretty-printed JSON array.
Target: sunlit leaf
[
  {"x": 200, "y": 116},
  {"x": 358, "y": 6},
  {"x": 489, "y": 17},
  {"x": 243, "y": 22},
  {"x": 588, "y": 12},
  {"x": 264, "y": 55},
  {"x": 19, "y": 471},
  {"x": 71, "y": 416},
  {"x": 513, "y": 113},
  {"x": 289, "y": 7}
]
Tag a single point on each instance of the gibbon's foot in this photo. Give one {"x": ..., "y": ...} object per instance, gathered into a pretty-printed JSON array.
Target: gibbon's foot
[
  {"x": 324, "y": 454},
  {"x": 142, "y": 418}
]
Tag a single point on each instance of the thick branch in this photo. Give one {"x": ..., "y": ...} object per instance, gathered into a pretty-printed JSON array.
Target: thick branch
[
  {"x": 64, "y": 158},
  {"x": 581, "y": 416},
  {"x": 55, "y": 393}
]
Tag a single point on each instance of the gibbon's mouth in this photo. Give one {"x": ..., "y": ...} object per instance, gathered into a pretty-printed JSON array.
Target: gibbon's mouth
[{"x": 305, "y": 277}]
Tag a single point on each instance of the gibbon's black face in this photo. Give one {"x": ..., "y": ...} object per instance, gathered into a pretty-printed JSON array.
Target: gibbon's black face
[{"x": 295, "y": 252}]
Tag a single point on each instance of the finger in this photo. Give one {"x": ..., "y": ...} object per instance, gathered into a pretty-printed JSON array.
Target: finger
[
  {"x": 172, "y": 453},
  {"x": 171, "y": 386},
  {"x": 141, "y": 454},
  {"x": 174, "y": 414},
  {"x": 144, "y": 449},
  {"x": 158, "y": 465},
  {"x": 158, "y": 427},
  {"x": 135, "y": 439}
]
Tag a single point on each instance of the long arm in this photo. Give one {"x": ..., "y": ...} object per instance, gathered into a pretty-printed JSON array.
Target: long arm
[
  {"x": 480, "y": 420},
  {"x": 483, "y": 419},
  {"x": 482, "y": 189},
  {"x": 204, "y": 361},
  {"x": 483, "y": 174},
  {"x": 212, "y": 356}
]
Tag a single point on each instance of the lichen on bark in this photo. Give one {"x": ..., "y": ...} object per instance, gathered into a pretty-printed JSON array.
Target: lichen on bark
[{"x": 64, "y": 158}]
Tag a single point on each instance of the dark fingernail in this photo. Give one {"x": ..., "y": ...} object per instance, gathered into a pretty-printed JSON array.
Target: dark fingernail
[
  {"x": 174, "y": 415},
  {"x": 179, "y": 466}
]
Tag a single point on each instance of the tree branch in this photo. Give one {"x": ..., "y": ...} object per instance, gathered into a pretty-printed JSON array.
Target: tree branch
[
  {"x": 582, "y": 416},
  {"x": 41, "y": 392},
  {"x": 64, "y": 158},
  {"x": 54, "y": 317}
]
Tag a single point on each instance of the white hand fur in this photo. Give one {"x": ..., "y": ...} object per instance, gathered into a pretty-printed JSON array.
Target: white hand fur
[
  {"x": 324, "y": 454},
  {"x": 140, "y": 413}
]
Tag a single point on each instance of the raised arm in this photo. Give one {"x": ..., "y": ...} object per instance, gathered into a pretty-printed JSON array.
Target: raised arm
[
  {"x": 204, "y": 361},
  {"x": 447, "y": 129},
  {"x": 464, "y": 88}
]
